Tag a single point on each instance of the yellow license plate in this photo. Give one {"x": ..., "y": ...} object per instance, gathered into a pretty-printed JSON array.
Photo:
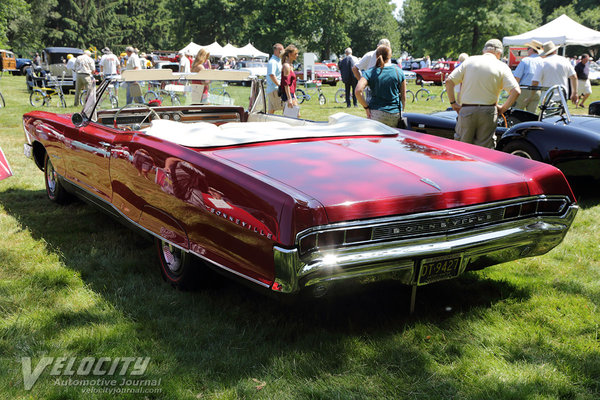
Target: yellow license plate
[{"x": 439, "y": 269}]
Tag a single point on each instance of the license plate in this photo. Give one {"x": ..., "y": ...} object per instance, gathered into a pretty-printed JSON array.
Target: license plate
[
  {"x": 439, "y": 269},
  {"x": 27, "y": 150}
]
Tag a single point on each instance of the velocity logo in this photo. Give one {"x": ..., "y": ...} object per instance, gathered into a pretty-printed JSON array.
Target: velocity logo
[{"x": 70, "y": 366}]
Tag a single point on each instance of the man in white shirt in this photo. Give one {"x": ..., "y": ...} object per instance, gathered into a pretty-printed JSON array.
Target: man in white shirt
[
  {"x": 84, "y": 68},
  {"x": 134, "y": 91},
  {"x": 369, "y": 60},
  {"x": 482, "y": 78},
  {"x": 184, "y": 63},
  {"x": 524, "y": 73},
  {"x": 556, "y": 70},
  {"x": 109, "y": 63}
]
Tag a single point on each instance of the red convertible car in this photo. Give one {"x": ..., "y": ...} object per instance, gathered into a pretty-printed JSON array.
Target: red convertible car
[
  {"x": 436, "y": 74},
  {"x": 290, "y": 205}
]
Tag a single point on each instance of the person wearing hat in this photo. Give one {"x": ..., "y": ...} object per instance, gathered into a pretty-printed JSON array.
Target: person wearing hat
[
  {"x": 527, "y": 68},
  {"x": 557, "y": 70},
  {"x": 84, "y": 67},
  {"x": 482, "y": 78},
  {"x": 134, "y": 91},
  {"x": 109, "y": 65}
]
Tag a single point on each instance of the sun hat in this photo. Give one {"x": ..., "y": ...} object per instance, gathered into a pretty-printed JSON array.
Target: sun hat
[
  {"x": 106, "y": 50},
  {"x": 493, "y": 44},
  {"x": 534, "y": 44},
  {"x": 549, "y": 47}
]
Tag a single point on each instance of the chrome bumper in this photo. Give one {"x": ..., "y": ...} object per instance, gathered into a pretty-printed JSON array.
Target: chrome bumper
[{"x": 401, "y": 259}]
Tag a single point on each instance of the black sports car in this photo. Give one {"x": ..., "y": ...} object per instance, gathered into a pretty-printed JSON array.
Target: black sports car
[{"x": 569, "y": 142}]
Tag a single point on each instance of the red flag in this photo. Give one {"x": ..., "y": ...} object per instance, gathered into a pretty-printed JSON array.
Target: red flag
[{"x": 5, "y": 170}]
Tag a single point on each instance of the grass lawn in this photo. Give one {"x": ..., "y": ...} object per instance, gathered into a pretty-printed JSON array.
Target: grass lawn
[{"x": 75, "y": 284}]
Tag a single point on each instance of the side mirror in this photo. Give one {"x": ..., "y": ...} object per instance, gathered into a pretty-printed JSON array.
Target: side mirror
[{"x": 77, "y": 119}]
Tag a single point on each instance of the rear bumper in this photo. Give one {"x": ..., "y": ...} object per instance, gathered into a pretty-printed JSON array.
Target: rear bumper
[{"x": 401, "y": 259}]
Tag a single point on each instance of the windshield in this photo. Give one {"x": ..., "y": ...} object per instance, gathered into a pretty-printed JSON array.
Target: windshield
[{"x": 166, "y": 93}]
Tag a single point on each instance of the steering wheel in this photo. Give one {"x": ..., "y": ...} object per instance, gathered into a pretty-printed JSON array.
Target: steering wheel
[{"x": 135, "y": 105}]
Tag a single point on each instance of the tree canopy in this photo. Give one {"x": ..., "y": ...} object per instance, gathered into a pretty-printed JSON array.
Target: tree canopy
[{"x": 440, "y": 28}]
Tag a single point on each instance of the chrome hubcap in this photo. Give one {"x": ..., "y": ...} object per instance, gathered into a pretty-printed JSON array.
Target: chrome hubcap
[
  {"x": 521, "y": 153},
  {"x": 172, "y": 257},
  {"x": 51, "y": 177}
]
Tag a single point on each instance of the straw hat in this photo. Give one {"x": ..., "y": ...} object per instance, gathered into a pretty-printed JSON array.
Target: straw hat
[
  {"x": 549, "y": 47},
  {"x": 534, "y": 44}
]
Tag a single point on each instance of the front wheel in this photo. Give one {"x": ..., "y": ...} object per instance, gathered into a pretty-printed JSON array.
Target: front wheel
[
  {"x": 2, "y": 103},
  {"x": 322, "y": 99},
  {"x": 300, "y": 95},
  {"x": 37, "y": 98},
  {"x": 61, "y": 101},
  {"x": 523, "y": 149},
  {"x": 54, "y": 189},
  {"x": 444, "y": 96},
  {"x": 410, "y": 96}
]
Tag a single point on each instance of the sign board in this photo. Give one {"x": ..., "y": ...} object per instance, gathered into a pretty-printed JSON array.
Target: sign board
[
  {"x": 5, "y": 170},
  {"x": 309, "y": 65},
  {"x": 515, "y": 55}
]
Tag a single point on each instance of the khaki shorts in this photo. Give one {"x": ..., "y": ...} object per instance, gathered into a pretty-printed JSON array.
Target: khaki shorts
[
  {"x": 584, "y": 86},
  {"x": 274, "y": 101}
]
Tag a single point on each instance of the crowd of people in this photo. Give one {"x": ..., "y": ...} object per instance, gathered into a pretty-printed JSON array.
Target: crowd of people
[{"x": 372, "y": 81}]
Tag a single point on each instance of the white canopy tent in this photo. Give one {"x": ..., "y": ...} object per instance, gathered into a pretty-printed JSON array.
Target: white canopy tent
[
  {"x": 191, "y": 49},
  {"x": 229, "y": 50},
  {"x": 563, "y": 31},
  {"x": 250, "y": 51}
]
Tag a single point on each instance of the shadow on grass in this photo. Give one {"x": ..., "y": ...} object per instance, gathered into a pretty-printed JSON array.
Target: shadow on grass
[
  {"x": 586, "y": 191},
  {"x": 225, "y": 331}
]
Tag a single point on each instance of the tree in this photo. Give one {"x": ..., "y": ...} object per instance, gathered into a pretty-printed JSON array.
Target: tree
[
  {"x": 9, "y": 11},
  {"x": 448, "y": 28}
]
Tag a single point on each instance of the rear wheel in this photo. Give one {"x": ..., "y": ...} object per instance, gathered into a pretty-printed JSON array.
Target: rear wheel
[
  {"x": 523, "y": 149},
  {"x": 2, "y": 103},
  {"x": 422, "y": 94},
  {"x": 300, "y": 95},
  {"x": 340, "y": 96},
  {"x": 149, "y": 96},
  {"x": 444, "y": 96},
  {"x": 54, "y": 189},
  {"x": 37, "y": 98},
  {"x": 177, "y": 266},
  {"x": 410, "y": 96}
]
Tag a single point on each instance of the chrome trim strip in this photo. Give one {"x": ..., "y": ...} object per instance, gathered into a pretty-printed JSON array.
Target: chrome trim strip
[{"x": 132, "y": 222}]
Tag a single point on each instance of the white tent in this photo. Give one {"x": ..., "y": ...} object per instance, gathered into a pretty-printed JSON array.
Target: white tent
[
  {"x": 191, "y": 49},
  {"x": 228, "y": 50},
  {"x": 250, "y": 51},
  {"x": 213, "y": 49},
  {"x": 563, "y": 31}
]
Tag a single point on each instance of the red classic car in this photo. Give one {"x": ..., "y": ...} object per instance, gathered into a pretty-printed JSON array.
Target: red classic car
[
  {"x": 294, "y": 205},
  {"x": 322, "y": 73},
  {"x": 436, "y": 74}
]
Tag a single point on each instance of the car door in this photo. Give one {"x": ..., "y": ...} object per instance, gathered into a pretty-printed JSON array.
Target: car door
[{"x": 89, "y": 160}]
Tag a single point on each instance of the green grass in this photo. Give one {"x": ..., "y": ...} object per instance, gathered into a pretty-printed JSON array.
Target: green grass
[{"x": 73, "y": 283}]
